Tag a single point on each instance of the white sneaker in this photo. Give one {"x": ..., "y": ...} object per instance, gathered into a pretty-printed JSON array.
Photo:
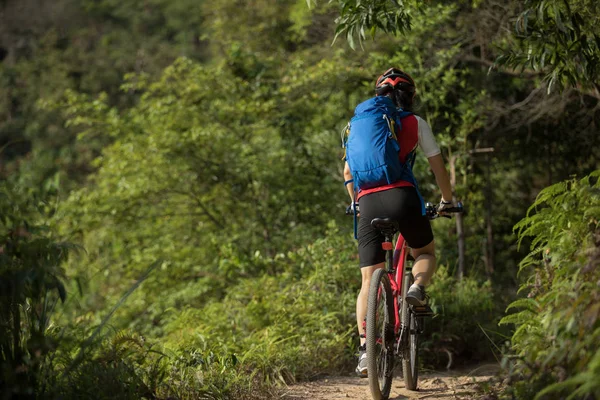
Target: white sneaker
[
  {"x": 416, "y": 295},
  {"x": 361, "y": 368}
]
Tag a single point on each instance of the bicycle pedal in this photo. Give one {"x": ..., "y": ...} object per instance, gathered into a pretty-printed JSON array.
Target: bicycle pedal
[{"x": 422, "y": 311}]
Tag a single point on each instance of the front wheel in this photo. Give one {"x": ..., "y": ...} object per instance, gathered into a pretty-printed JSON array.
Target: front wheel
[
  {"x": 410, "y": 356},
  {"x": 380, "y": 335}
]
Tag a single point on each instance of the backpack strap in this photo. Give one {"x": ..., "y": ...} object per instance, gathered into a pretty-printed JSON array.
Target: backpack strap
[
  {"x": 403, "y": 114},
  {"x": 392, "y": 125},
  {"x": 344, "y": 138},
  {"x": 355, "y": 216},
  {"x": 395, "y": 124}
]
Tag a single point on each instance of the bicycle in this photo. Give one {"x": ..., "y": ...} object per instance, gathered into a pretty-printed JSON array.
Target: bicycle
[{"x": 392, "y": 325}]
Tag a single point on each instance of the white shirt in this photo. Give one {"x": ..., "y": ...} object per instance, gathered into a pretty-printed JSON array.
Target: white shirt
[{"x": 426, "y": 140}]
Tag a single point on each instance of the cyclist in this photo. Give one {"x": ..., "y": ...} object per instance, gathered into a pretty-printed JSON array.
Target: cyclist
[{"x": 399, "y": 201}]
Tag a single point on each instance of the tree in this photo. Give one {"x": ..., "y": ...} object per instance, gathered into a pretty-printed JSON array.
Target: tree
[{"x": 559, "y": 38}]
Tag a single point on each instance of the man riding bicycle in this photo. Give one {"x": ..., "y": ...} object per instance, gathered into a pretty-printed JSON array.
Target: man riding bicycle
[{"x": 399, "y": 200}]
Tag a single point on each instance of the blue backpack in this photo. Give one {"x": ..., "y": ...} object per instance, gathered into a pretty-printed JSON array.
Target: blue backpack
[{"x": 371, "y": 144}]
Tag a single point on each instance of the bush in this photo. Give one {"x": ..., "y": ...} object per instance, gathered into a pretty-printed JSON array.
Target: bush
[
  {"x": 558, "y": 322},
  {"x": 457, "y": 332},
  {"x": 283, "y": 327},
  {"x": 31, "y": 284}
]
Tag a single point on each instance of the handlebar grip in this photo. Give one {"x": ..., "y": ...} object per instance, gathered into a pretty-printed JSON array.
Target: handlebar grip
[{"x": 458, "y": 209}]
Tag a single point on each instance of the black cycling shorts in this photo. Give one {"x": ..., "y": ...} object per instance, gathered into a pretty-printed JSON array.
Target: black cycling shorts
[{"x": 401, "y": 204}]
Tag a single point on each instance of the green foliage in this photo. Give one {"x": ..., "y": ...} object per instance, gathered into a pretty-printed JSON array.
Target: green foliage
[
  {"x": 31, "y": 284},
  {"x": 265, "y": 332},
  {"x": 284, "y": 327},
  {"x": 188, "y": 164},
  {"x": 40, "y": 359},
  {"x": 560, "y": 38},
  {"x": 558, "y": 324},
  {"x": 127, "y": 366},
  {"x": 458, "y": 329},
  {"x": 82, "y": 45},
  {"x": 224, "y": 166},
  {"x": 361, "y": 19}
]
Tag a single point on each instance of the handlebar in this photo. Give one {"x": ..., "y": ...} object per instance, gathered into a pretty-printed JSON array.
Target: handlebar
[
  {"x": 430, "y": 210},
  {"x": 432, "y": 213}
]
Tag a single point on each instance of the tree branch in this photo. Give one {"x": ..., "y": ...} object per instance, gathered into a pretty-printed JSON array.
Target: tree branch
[{"x": 498, "y": 68}]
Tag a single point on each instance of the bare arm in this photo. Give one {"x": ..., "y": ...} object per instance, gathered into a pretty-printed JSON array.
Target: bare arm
[
  {"x": 441, "y": 176},
  {"x": 347, "y": 177}
]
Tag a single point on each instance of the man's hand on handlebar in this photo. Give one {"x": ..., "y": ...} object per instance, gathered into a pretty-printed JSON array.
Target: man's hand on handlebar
[
  {"x": 350, "y": 209},
  {"x": 444, "y": 205},
  {"x": 447, "y": 210}
]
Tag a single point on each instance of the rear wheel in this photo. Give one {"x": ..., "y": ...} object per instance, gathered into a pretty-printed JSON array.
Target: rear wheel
[
  {"x": 410, "y": 357},
  {"x": 380, "y": 335}
]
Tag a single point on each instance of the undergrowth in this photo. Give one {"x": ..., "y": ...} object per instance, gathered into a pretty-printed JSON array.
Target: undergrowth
[
  {"x": 294, "y": 322},
  {"x": 284, "y": 327},
  {"x": 557, "y": 322},
  {"x": 464, "y": 312}
]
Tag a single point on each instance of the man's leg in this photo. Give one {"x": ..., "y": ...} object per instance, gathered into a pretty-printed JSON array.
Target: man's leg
[
  {"x": 361, "y": 313},
  {"x": 424, "y": 265},
  {"x": 363, "y": 295},
  {"x": 422, "y": 271}
]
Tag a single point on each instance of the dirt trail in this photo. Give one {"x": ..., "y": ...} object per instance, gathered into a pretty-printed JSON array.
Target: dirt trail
[{"x": 465, "y": 384}]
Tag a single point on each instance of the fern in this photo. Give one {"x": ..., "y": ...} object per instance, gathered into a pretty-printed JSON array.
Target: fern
[
  {"x": 557, "y": 326},
  {"x": 529, "y": 304}
]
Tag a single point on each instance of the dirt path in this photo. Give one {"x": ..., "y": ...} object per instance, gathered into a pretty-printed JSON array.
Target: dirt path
[{"x": 465, "y": 384}]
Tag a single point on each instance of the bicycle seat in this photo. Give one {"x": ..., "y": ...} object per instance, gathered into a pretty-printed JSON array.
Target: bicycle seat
[{"x": 385, "y": 225}]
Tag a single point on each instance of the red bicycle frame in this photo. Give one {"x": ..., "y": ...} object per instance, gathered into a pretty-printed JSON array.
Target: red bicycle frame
[{"x": 398, "y": 261}]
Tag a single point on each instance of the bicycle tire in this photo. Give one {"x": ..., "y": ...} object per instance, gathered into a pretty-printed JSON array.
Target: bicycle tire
[
  {"x": 380, "y": 335},
  {"x": 410, "y": 358}
]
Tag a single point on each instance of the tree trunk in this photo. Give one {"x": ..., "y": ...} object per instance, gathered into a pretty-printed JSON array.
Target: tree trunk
[
  {"x": 460, "y": 271},
  {"x": 488, "y": 217}
]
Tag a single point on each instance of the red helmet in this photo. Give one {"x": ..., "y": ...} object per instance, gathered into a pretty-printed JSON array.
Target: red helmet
[{"x": 393, "y": 79}]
